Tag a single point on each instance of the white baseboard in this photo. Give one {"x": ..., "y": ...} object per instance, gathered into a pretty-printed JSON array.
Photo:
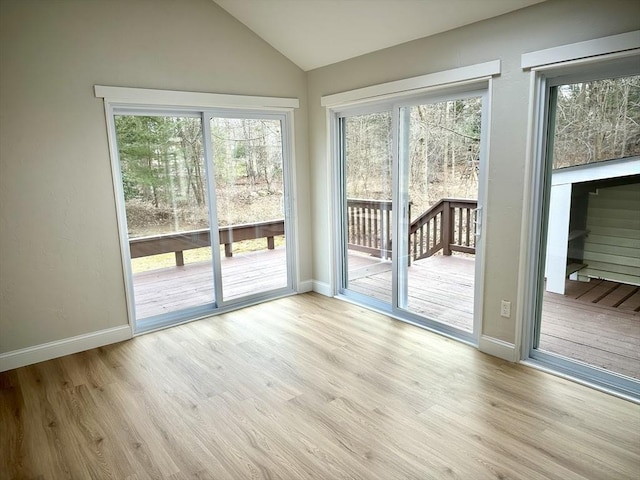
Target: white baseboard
[
  {"x": 60, "y": 348},
  {"x": 497, "y": 348},
  {"x": 322, "y": 288},
  {"x": 306, "y": 286}
]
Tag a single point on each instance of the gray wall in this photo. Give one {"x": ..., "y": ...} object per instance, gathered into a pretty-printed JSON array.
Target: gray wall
[
  {"x": 61, "y": 273},
  {"x": 555, "y": 22}
]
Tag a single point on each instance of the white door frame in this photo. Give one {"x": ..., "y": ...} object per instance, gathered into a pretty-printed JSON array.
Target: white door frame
[{"x": 480, "y": 88}]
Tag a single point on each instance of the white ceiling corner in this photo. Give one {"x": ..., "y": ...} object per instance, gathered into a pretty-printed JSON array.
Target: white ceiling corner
[{"x": 315, "y": 33}]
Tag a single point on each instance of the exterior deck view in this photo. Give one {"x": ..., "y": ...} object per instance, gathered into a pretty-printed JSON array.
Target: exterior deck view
[{"x": 596, "y": 322}]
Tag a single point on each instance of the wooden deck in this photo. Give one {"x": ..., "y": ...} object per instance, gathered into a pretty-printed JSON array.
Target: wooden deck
[
  {"x": 596, "y": 322},
  {"x": 439, "y": 287},
  {"x": 174, "y": 288}
]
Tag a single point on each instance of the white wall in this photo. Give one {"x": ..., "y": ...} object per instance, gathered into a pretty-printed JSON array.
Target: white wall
[
  {"x": 555, "y": 22},
  {"x": 60, "y": 270}
]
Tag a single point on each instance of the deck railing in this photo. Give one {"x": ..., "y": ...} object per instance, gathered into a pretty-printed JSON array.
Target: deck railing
[
  {"x": 179, "y": 242},
  {"x": 448, "y": 226},
  {"x": 369, "y": 226}
]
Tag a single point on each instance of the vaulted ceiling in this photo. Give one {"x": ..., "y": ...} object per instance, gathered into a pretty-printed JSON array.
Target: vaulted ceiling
[{"x": 315, "y": 33}]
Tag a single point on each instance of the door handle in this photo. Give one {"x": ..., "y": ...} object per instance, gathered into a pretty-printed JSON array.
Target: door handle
[{"x": 477, "y": 221}]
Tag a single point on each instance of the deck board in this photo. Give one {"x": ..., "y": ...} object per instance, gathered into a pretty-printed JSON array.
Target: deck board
[
  {"x": 619, "y": 295},
  {"x": 595, "y": 293},
  {"x": 174, "y": 288},
  {"x": 582, "y": 324},
  {"x": 632, "y": 303}
]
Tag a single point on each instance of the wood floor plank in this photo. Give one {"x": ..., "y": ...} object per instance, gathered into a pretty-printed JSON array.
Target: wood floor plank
[{"x": 306, "y": 387}]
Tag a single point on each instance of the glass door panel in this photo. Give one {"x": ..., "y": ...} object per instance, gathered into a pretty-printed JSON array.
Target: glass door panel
[
  {"x": 250, "y": 203},
  {"x": 165, "y": 195},
  {"x": 367, "y": 205},
  {"x": 589, "y": 284},
  {"x": 440, "y": 162}
]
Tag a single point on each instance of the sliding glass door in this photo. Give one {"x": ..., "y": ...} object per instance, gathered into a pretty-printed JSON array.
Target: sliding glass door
[
  {"x": 367, "y": 207},
  {"x": 166, "y": 198},
  {"x": 588, "y": 268},
  {"x": 439, "y": 183},
  {"x": 207, "y": 210},
  {"x": 410, "y": 209},
  {"x": 250, "y": 204}
]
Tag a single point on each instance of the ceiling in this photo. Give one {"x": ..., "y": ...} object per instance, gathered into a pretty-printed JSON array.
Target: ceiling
[{"x": 315, "y": 33}]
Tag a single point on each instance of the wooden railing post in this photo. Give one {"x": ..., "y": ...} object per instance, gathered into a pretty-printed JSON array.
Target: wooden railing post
[
  {"x": 446, "y": 229},
  {"x": 387, "y": 234}
]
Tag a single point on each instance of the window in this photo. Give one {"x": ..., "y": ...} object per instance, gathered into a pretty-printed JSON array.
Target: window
[{"x": 205, "y": 202}]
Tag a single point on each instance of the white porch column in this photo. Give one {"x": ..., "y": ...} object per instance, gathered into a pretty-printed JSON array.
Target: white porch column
[{"x": 558, "y": 237}]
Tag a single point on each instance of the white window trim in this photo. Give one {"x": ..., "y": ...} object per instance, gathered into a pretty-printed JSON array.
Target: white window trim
[
  {"x": 545, "y": 66},
  {"x": 586, "y": 49},
  {"x": 414, "y": 85},
  {"x": 173, "y": 98}
]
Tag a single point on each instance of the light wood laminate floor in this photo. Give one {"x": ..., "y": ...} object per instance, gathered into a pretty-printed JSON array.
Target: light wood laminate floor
[{"x": 306, "y": 387}]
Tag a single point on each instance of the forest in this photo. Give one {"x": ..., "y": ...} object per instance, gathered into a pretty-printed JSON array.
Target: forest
[
  {"x": 596, "y": 121},
  {"x": 165, "y": 180},
  {"x": 443, "y": 153}
]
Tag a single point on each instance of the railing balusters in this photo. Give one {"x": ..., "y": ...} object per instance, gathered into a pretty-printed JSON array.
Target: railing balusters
[
  {"x": 358, "y": 236},
  {"x": 368, "y": 233},
  {"x": 368, "y": 226},
  {"x": 428, "y": 237},
  {"x": 446, "y": 226}
]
